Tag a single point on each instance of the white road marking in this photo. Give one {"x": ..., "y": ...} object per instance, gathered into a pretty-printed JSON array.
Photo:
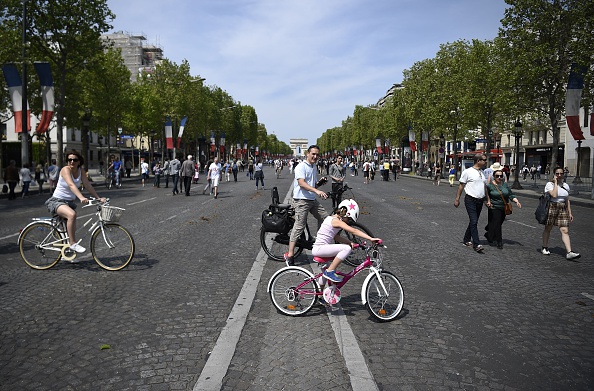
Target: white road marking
[
  {"x": 525, "y": 225},
  {"x": 140, "y": 202},
  {"x": 10, "y": 236},
  {"x": 167, "y": 219},
  {"x": 591, "y": 297}
]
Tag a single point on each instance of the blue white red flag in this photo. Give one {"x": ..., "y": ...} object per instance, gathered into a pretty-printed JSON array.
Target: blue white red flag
[
  {"x": 15, "y": 90},
  {"x": 573, "y": 99},
  {"x": 169, "y": 133},
  {"x": 425, "y": 140},
  {"x": 182, "y": 125},
  {"x": 411, "y": 139},
  {"x": 47, "y": 95}
]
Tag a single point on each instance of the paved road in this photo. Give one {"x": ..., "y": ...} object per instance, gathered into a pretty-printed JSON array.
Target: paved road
[{"x": 508, "y": 319}]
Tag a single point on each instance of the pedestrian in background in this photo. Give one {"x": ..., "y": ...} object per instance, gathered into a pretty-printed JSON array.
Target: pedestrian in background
[
  {"x": 40, "y": 175},
  {"x": 251, "y": 169},
  {"x": 174, "y": 166},
  {"x": 215, "y": 175},
  {"x": 144, "y": 170},
  {"x": 25, "y": 175},
  {"x": 128, "y": 167},
  {"x": 437, "y": 174},
  {"x": 234, "y": 169},
  {"x": 473, "y": 183},
  {"x": 559, "y": 213},
  {"x": 337, "y": 173},
  {"x": 166, "y": 171},
  {"x": 157, "y": 170},
  {"x": 187, "y": 173},
  {"x": 500, "y": 194},
  {"x": 11, "y": 178},
  {"x": 366, "y": 170},
  {"x": 452, "y": 175},
  {"x": 259, "y": 174}
]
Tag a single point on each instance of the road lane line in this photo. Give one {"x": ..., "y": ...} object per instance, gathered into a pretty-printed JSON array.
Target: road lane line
[
  {"x": 167, "y": 219},
  {"x": 591, "y": 297},
  {"x": 10, "y": 236},
  {"x": 359, "y": 373},
  {"x": 215, "y": 369},
  {"x": 525, "y": 225},
  {"x": 140, "y": 202}
]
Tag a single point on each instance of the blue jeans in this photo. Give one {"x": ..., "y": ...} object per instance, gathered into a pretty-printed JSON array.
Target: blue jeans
[{"x": 473, "y": 208}]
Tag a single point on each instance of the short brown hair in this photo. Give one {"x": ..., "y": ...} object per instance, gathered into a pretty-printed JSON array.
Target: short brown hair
[{"x": 74, "y": 152}]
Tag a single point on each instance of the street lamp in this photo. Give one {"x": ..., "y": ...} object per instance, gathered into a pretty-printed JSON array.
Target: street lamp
[
  {"x": 518, "y": 132},
  {"x": 378, "y": 145},
  {"x": 222, "y": 146}
]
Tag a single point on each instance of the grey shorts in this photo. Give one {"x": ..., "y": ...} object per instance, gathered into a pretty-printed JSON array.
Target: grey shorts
[{"x": 54, "y": 203}]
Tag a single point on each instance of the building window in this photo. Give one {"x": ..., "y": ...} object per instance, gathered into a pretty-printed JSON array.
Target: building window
[
  {"x": 90, "y": 156},
  {"x": 72, "y": 136}
]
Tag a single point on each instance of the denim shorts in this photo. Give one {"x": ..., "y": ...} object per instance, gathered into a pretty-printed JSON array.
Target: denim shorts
[{"x": 54, "y": 203}]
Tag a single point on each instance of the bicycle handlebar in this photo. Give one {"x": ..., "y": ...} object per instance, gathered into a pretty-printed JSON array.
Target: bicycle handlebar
[{"x": 95, "y": 201}]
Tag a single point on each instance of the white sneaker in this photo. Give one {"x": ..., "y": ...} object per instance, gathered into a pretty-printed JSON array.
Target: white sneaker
[
  {"x": 545, "y": 251},
  {"x": 572, "y": 255},
  {"x": 77, "y": 248}
]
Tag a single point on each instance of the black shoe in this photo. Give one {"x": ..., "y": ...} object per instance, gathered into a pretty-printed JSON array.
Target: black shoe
[
  {"x": 479, "y": 249},
  {"x": 500, "y": 245}
]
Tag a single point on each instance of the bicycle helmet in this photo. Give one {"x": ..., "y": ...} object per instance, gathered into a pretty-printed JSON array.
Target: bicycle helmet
[{"x": 352, "y": 209}]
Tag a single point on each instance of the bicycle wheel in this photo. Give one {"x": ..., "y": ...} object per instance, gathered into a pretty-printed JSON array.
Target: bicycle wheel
[
  {"x": 384, "y": 307},
  {"x": 108, "y": 183},
  {"x": 35, "y": 245},
  {"x": 357, "y": 255},
  {"x": 275, "y": 245},
  {"x": 112, "y": 247},
  {"x": 293, "y": 291}
]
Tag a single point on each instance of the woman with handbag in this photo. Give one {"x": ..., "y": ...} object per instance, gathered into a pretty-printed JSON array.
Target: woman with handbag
[
  {"x": 559, "y": 213},
  {"x": 501, "y": 196}
]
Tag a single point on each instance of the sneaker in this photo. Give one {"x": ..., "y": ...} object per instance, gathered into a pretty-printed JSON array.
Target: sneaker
[
  {"x": 467, "y": 244},
  {"x": 479, "y": 249},
  {"x": 77, "y": 248},
  {"x": 545, "y": 251},
  {"x": 290, "y": 261},
  {"x": 571, "y": 255},
  {"x": 331, "y": 275}
]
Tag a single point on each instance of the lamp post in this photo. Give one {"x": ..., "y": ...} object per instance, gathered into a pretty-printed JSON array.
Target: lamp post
[
  {"x": 518, "y": 132},
  {"x": 577, "y": 179},
  {"x": 222, "y": 147},
  {"x": 86, "y": 120}
]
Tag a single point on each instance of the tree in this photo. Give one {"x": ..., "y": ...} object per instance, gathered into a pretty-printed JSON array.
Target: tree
[
  {"x": 67, "y": 38},
  {"x": 542, "y": 39}
]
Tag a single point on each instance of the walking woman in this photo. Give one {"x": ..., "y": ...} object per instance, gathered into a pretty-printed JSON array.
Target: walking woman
[
  {"x": 500, "y": 194},
  {"x": 559, "y": 213}
]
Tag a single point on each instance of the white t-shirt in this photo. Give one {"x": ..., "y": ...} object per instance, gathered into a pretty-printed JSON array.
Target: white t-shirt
[
  {"x": 474, "y": 181},
  {"x": 562, "y": 191},
  {"x": 309, "y": 173},
  {"x": 144, "y": 167},
  {"x": 215, "y": 170}
]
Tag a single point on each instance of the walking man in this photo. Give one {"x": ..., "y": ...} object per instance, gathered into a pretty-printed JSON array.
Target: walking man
[
  {"x": 215, "y": 175},
  {"x": 174, "y": 166},
  {"x": 473, "y": 182},
  {"x": 337, "y": 173},
  {"x": 187, "y": 173}
]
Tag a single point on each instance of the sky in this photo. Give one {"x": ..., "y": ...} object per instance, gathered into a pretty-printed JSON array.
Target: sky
[{"x": 305, "y": 64}]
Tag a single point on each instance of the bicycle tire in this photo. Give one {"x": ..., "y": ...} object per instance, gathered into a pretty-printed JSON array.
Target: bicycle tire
[
  {"x": 30, "y": 245},
  {"x": 289, "y": 300},
  {"x": 384, "y": 308},
  {"x": 279, "y": 245},
  {"x": 108, "y": 183},
  {"x": 357, "y": 255},
  {"x": 118, "y": 256}
]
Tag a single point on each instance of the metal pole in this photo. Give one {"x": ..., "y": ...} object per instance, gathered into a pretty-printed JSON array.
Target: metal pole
[
  {"x": 25, "y": 116},
  {"x": 577, "y": 179},
  {"x": 516, "y": 185}
]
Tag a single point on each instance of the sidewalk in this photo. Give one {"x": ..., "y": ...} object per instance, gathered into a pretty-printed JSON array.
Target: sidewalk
[{"x": 534, "y": 189}]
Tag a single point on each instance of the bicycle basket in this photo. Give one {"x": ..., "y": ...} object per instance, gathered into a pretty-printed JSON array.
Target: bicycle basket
[{"x": 111, "y": 213}]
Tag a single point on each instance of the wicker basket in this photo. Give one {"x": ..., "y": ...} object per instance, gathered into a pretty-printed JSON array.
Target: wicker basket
[{"x": 111, "y": 213}]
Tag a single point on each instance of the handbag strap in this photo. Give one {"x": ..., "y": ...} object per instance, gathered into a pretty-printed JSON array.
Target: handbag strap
[{"x": 501, "y": 194}]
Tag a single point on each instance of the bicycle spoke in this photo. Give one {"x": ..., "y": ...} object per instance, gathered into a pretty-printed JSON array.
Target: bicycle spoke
[
  {"x": 36, "y": 246},
  {"x": 112, "y": 246}
]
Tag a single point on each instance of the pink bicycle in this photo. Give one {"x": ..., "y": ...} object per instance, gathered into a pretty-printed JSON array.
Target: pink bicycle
[{"x": 294, "y": 290}]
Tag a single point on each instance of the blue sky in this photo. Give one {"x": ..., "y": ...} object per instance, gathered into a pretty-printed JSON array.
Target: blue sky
[{"x": 305, "y": 64}]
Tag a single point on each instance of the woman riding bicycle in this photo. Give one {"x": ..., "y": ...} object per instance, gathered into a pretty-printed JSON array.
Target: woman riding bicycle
[
  {"x": 67, "y": 190},
  {"x": 328, "y": 234}
]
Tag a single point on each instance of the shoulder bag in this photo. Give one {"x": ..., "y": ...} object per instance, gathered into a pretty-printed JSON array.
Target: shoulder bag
[
  {"x": 507, "y": 206},
  {"x": 542, "y": 210}
]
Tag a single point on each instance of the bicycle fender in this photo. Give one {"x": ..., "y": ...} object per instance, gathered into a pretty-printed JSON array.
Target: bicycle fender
[
  {"x": 285, "y": 268},
  {"x": 375, "y": 272},
  {"x": 48, "y": 222}
]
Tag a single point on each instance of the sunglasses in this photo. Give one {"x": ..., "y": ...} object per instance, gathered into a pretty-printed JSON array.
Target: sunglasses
[
  {"x": 498, "y": 176},
  {"x": 484, "y": 160},
  {"x": 559, "y": 173},
  {"x": 72, "y": 160}
]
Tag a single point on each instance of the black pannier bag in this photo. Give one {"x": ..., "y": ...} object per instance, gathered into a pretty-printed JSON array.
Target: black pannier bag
[{"x": 277, "y": 221}]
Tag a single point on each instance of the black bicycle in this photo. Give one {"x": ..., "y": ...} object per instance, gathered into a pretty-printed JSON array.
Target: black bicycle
[{"x": 277, "y": 224}]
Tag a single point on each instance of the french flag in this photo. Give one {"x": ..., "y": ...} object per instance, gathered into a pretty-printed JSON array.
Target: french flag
[
  {"x": 425, "y": 140},
  {"x": 573, "y": 99},
  {"x": 15, "y": 90},
  {"x": 47, "y": 95},
  {"x": 411, "y": 139},
  {"x": 182, "y": 125},
  {"x": 169, "y": 133}
]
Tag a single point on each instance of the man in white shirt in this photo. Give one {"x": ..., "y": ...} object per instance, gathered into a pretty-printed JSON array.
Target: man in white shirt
[
  {"x": 304, "y": 198},
  {"x": 214, "y": 174},
  {"x": 473, "y": 182}
]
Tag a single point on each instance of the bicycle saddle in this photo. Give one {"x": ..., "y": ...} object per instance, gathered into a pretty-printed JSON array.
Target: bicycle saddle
[{"x": 323, "y": 259}]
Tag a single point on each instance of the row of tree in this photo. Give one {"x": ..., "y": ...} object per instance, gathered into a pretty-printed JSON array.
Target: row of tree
[
  {"x": 92, "y": 83},
  {"x": 486, "y": 86}
]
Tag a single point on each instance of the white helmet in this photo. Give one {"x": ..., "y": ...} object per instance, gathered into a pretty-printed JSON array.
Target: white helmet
[{"x": 352, "y": 209}]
